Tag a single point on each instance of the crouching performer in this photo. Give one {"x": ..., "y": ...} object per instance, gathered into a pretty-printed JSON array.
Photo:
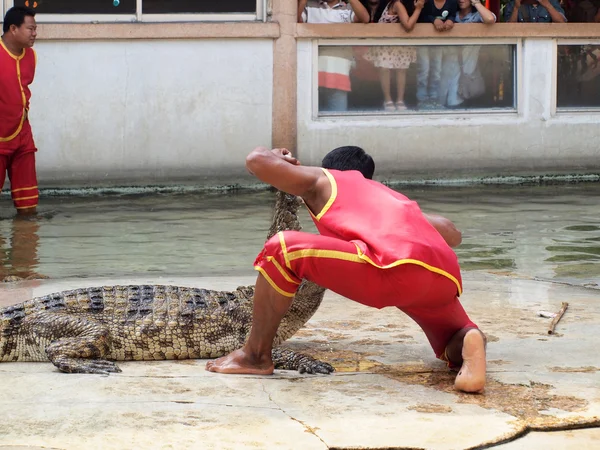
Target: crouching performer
[{"x": 375, "y": 247}]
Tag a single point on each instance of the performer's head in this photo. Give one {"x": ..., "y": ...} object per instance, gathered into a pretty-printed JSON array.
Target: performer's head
[
  {"x": 19, "y": 26},
  {"x": 350, "y": 157}
]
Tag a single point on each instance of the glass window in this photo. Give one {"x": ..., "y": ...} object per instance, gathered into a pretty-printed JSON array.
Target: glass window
[
  {"x": 196, "y": 6},
  {"x": 80, "y": 6},
  {"x": 396, "y": 79},
  {"x": 578, "y": 76}
]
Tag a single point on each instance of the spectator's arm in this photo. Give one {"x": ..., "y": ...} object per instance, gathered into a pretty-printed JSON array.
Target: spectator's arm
[
  {"x": 556, "y": 12},
  {"x": 408, "y": 23},
  {"x": 512, "y": 11},
  {"x": 301, "y": 8},
  {"x": 487, "y": 16},
  {"x": 361, "y": 14}
]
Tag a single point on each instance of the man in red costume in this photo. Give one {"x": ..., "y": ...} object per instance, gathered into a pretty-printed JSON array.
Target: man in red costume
[
  {"x": 375, "y": 247},
  {"x": 17, "y": 69}
]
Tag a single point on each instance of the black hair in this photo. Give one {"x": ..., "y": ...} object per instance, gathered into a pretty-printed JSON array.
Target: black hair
[
  {"x": 408, "y": 4},
  {"x": 16, "y": 16},
  {"x": 350, "y": 157}
]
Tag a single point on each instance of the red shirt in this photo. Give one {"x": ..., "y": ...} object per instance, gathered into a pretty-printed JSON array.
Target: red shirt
[
  {"x": 387, "y": 228},
  {"x": 16, "y": 74}
]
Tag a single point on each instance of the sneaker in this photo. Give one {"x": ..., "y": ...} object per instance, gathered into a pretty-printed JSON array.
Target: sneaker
[{"x": 400, "y": 106}]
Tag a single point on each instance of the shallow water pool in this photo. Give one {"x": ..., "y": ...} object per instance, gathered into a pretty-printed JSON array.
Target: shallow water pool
[{"x": 549, "y": 232}]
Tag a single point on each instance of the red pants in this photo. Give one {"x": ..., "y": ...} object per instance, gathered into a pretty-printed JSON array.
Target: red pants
[
  {"x": 18, "y": 158},
  {"x": 430, "y": 299}
]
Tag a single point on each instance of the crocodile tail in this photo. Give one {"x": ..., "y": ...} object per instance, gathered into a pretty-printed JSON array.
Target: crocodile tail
[
  {"x": 285, "y": 215},
  {"x": 306, "y": 302}
]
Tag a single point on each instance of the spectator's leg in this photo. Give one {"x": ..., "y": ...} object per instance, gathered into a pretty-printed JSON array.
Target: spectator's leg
[
  {"x": 386, "y": 82},
  {"x": 422, "y": 73},
  {"x": 400, "y": 88},
  {"x": 470, "y": 56},
  {"x": 449, "y": 79},
  {"x": 435, "y": 71},
  {"x": 338, "y": 100},
  {"x": 332, "y": 100},
  {"x": 323, "y": 99}
]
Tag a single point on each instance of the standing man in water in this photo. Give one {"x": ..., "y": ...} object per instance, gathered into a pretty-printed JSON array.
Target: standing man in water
[
  {"x": 17, "y": 70},
  {"x": 375, "y": 247}
]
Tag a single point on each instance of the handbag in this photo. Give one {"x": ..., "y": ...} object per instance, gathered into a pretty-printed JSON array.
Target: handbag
[{"x": 470, "y": 85}]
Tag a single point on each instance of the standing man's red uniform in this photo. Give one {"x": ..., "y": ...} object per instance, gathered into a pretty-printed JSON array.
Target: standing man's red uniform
[{"x": 17, "y": 70}]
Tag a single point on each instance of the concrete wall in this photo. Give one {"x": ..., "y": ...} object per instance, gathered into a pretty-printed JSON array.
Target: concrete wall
[
  {"x": 117, "y": 111},
  {"x": 531, "y": 141},
  {"x": 149, "y": 111}
]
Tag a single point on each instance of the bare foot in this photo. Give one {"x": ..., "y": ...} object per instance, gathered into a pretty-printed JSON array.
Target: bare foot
[
  {"x": 471, "y": 376},
  {"x": 241, "y": 362}
]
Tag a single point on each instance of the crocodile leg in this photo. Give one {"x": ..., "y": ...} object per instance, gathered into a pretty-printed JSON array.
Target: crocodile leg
[
  {"x": 75, "y": 344},
  {"x": 286, "y": 359}
]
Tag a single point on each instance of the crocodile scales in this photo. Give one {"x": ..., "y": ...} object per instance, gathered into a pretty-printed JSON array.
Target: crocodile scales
[{"x": 87, "y": 330}]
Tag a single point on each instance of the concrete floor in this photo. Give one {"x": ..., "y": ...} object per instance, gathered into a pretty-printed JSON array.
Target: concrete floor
[{"x": 388, "y": 391}]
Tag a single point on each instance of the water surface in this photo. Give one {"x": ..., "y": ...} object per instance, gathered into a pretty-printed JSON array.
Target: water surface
[{"x": 548, "y": 232}]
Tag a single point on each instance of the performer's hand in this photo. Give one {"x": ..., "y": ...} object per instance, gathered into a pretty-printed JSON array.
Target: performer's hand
[{"x": 286, "y": 155}]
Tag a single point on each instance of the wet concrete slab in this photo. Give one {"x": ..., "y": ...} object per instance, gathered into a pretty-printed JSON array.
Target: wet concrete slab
[{"x": 388, "y": 391}]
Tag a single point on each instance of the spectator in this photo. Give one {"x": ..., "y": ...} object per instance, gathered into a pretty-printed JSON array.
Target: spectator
[
  {"x": 334, "y": 62},
  {"x": 462, "y": 60},
  {"x": 542, "y": 11},
  {"x": 395, "y": 58},
  {"x": 17, "y": 70},
  {"x": 584, "y": 11},
  {"x": 441, "y": 13}
]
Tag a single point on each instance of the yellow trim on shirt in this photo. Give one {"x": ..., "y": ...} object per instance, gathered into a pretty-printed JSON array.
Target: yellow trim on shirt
[
  {"x": 10, "y": 53},
  {"x": 18, "y": 62},
  {"x": 332, "y": 197}
]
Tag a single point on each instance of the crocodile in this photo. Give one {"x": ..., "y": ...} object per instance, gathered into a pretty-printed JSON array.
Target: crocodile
[{"x": 87, "y": 330}]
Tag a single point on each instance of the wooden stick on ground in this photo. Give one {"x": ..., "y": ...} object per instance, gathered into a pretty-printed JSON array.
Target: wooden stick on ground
[{"x": 561, "y": 313}]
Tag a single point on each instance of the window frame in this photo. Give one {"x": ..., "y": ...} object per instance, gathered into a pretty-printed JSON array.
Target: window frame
[
  {"x": 260, "y": 16},
  {"x": 517, "y": 110},
  {"x": 556, "y": 110}
]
